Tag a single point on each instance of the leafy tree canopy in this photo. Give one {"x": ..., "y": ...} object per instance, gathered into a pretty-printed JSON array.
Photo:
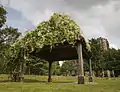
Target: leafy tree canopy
[
  {"x": 8, "y": 35},
  {"x": 2, "y": 16}
]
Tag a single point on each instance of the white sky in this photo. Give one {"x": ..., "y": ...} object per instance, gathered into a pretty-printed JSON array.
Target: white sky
[{"x": 95, "y": 17}]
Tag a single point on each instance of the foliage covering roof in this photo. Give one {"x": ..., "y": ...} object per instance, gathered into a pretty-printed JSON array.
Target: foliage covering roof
[{"x": 59, "y": 28}]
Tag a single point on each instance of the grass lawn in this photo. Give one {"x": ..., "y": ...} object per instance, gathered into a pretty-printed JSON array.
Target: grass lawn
[{"x": 59, "y": 84}]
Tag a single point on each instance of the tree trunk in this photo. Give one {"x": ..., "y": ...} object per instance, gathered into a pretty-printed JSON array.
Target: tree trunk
[
  {"x": 96, "y": 73},
  {"x": 90, "y": 72},
  {"x": 21, "y": 71},
  {"x": 50, "y": 72},
  {"x": 80, "y": 63},
  {"x": 29, "y": 70}
]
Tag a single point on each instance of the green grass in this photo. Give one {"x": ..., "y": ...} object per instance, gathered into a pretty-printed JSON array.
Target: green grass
[{"x": 59, "y": 84}]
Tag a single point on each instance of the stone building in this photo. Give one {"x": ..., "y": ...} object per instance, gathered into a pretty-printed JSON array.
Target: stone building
[{"x": 103, "y": 43}]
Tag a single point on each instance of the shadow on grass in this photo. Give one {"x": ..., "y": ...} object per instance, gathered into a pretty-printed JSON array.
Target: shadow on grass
[
  {"x": 63, "y": 82},
  {"x": 2, "y": 80},
  {"x": 33, "y": 81},
  {"x": 25, "y": 81},
  {"x": 37, "y": 81}
]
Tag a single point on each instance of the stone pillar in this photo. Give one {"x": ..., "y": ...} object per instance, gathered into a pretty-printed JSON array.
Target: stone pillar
[
  {"x": 50, "y": 72},
  {"x": 103, "y": 74},
  {"x": 108, "y": 73},
  {"x": 80, "y": 65},
  {"x": 90, "y": 71},
  {"x": 113, "y": 73}
]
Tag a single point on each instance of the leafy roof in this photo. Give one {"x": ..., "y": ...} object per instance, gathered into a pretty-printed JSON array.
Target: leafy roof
[{"x": 58, "y": 29}]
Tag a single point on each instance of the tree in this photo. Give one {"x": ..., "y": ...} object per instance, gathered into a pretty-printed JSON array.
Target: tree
[
  {"x": 35, "y": 65},
  {"x": 66, "y": 68},
  {"x": 2, "y": 16},
  {"x": 98, "y": 59},
  {"x": 113, "y": 61},
  {"x": 8, "y": 35},
  {"x": 69, "y": 67},
  {"x": 55, "y": 68},
  {"x": 7, "y": 38},
  {"x": 103, "y": 60}
]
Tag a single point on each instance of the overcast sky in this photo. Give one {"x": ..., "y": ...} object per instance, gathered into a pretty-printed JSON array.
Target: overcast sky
[{"x": 95, "y": 17}]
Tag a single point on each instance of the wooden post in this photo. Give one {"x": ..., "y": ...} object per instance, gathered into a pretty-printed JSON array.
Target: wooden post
[
  {"x": 90, "y": 71},
  {"x": 80, "y": 62},
  {"x": 50, "y": 72}
]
